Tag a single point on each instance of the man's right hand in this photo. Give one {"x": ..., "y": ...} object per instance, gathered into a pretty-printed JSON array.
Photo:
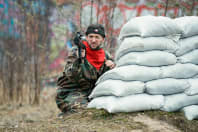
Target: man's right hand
[
  {"x": 76, "y": 40},
  {"x": 83, "y": 53}
]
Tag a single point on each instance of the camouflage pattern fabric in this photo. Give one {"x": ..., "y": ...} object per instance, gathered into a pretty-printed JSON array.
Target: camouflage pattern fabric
[
  {"x": 76, "y": 83},
  {"x": 70, "y": 101}
]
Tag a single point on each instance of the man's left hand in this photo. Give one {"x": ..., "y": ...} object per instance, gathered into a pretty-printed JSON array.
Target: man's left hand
[{"x": 110, "y": 64}]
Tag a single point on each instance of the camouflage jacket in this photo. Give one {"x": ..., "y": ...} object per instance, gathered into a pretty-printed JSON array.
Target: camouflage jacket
[{"x": 80, "y": 76}]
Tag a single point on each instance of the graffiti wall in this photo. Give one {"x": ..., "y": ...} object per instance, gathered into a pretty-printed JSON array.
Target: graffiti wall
[
  {"x": 9, "y": 20},
  {"x": 127, "y": 9},
  {"x": 62, "y": 27},
  {"x": 68, "y": 17},
  {"x": 12, "y": 15}
]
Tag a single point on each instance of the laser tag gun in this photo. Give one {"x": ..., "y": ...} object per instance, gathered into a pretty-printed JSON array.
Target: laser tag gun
[{"x": 78, "y": 42}]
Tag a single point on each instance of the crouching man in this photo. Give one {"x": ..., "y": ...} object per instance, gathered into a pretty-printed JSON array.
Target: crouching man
[{"x": 82, "y": 71}]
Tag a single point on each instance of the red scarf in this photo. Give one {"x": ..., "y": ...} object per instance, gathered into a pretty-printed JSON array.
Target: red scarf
[{"x": 95, "y": 57}]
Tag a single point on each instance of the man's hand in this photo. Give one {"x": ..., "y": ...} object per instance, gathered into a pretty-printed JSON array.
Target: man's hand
[
  {"x": 83, "y": 53},
  {"x": 77, "y": 38},
  {"x": 110, "y": 64}
]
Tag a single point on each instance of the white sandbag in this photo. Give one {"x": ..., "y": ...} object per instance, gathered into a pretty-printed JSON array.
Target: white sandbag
[
  {"x": 193, "y": 89},
  {"x": 191, "y": 112},
  {"x": 166, "y": 86},
  {"x": 179, "y": 71},
  {"x": 195, "y": 77},
  {"x": 133, "y": 44},
  {"x": 117, "y": 88},
  {"x": 191, "y": 57},
  {"x": 176, "y": 102},
  {"x": 149, "y": 26},
  {"x": 186, "y": 45},
  {"x": 188, "y": 25},
  {"x": 132, "y": 103},
  {"x": 131, "y": 73},
  {"x": 147, "y": 58}
]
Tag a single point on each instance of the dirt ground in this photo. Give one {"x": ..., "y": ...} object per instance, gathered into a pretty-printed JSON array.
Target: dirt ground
[{"x": 43, "y": 118}]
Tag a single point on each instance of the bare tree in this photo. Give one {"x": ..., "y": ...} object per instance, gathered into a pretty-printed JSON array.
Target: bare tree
[
  {"x": 21, "y": 58},
  {"x": 110, "y": 25},
  {"x": 91, "y": 16},
  {"x": 99, "y": 4},
  {"x": 192, "y": 7},
  {"x": 166, "y": 8}
]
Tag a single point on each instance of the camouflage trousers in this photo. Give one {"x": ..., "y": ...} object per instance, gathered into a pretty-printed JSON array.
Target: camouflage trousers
[{"x": 71, "y": 100}]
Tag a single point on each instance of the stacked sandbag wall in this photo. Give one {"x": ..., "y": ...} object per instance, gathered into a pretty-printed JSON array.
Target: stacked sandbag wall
[{"x": 153, "y": 70}]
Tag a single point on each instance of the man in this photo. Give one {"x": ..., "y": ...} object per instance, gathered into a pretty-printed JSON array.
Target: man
[{"x": 81, "y": 72}]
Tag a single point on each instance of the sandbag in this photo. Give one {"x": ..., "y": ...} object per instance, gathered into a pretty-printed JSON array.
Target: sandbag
[
  {"x": 191, "y": 112},
  {"x": 117, "y": 88},
  {"x": 186, "y": 45},
  {"x": 193, "y": 89},
  {"x": 179, "y": 71},
  {"x": 191, "y": 57},
  {"x": 133, "y": 44},
  {"x": 177, "y": 101},
  {"x": 149, "y": 26},
  {"x": 188, "y": 25},
  {"x": 132, "y": 103},
  {"x": 166, "y": 86},
  {"x": 131, "y": 73},
  {"x": 147, "y": 58}
]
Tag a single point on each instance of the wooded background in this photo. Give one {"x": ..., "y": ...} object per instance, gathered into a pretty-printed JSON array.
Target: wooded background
[{"x": 36, "y": 35}]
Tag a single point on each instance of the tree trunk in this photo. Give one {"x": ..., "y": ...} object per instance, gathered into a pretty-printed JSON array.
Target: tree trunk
[
  {"x": 91, "y": 12},
  {"x": 166, "y": 8},
  {"x": 192, "y": 7}
]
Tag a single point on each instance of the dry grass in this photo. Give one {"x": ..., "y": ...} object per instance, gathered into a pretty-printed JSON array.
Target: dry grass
[{"x": 43, "y": 118}]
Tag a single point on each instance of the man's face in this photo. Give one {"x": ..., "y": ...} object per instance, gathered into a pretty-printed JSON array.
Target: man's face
[{"x": 94, "y": 40}]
